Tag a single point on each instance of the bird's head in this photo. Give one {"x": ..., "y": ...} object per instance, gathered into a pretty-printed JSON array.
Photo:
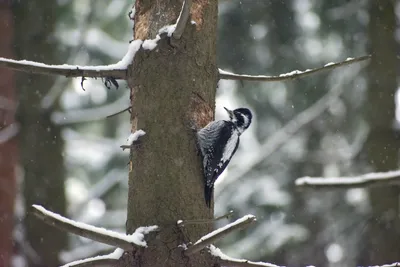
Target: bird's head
[{"x": 241, "y": 117}]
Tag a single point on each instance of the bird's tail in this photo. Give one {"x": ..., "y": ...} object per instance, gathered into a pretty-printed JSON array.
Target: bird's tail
[{"x": 208, "y": 194}]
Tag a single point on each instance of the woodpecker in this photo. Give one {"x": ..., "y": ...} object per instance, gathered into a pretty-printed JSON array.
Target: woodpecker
[{"x": 218, "y": 142}]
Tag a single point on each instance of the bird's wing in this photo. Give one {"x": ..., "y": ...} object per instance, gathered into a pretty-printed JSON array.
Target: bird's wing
[{"x": 227, "y": 146}]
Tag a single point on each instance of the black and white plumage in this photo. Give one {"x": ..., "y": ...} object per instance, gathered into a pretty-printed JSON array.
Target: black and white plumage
[{"x": 218, "y": 142}]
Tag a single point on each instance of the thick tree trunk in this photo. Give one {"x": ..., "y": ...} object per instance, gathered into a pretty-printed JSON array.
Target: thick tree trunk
[
  {"x": 40, "y": 139},
  {"x": 382, "y": 147},
  {"x": 168, "y": 85},
  {"x": 8, "y": 141}
]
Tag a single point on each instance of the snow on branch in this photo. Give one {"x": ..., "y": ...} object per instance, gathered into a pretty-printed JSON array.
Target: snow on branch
[
  {"x": 187, "y": 222},
  {"x": 219, "y": 233},
  {"x": 104, "y": 260},
  {"x": 182, "y": 19},
  {"x": 369, "y": 179},
  {"x": 117, "y": 70},
  {"x": 225, "y": 260},
  {"x": 132, "y": 138},
  {"x": 225, "y": 75},
  {"x": 125, "y": 242}
]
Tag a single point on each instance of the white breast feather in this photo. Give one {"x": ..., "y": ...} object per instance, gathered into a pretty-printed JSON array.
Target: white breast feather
[{"x": 229, "y": 148}]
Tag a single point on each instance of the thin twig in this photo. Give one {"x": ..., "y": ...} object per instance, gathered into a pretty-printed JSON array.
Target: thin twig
[
  {"x": 89, "y": 114},
  {"x": 182, "y": 19},
  {"x": 219, "y": 234},
  {"x": 369, "y": 179},
  {"x": 187, "y": 222},
  {"x": 64, "y": 70},
  {"x": 83, "y": 230},
  {"x": 94, "y": 263},
  {"x": 290, "y": 75},
  {"x": 119, "y": 112}
]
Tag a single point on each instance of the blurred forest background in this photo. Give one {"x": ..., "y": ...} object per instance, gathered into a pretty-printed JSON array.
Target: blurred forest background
[{"x": 60, "y": 151}]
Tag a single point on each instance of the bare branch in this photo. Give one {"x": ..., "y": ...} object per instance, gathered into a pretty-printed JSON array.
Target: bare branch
[
  {"x": 219, "y": 234},
  {"x": 119, "y": 112},
  {"x": 369, "y": 179},
  {"x": 290, "y": 75},
  {"x": 182, "y": 19},
  {"x": 94, "y": 233},
  {"x": 64, "y": 70}
]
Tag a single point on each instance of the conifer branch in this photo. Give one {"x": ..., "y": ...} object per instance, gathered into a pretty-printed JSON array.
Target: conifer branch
[
  {"x": 93, "y": 263},
  {"x": 83, "y": 230},
  {"x": 63, "y": 70},
  {"x": 369, "y": 179},
  {"x": 219, "y": 234},
  {"x": 224, "y": 260},
  {"x": 290, "y": 75}
]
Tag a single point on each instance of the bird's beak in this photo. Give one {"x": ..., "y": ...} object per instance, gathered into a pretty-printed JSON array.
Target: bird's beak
[{"x": 230, "y": 112}]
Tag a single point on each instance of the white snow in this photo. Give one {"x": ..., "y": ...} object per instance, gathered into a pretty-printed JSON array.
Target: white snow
[
  {"x": 290, "y": 73},
  {"x": 135, "y": 136},
  {"x": 179, "y": 222},
  {"x": 219, "y": 230},
  {"x": 373, "y": 176},
  {"x": 136, "y": 238},
  {"x": 122, "y": 64},
  {"x": 329, "y": 64},
  {"x": 169, "y": 30},
  {"x": 216, "y": 252},
  {"x": 114, "y": 255},
  {"x": 349, "y": 58}
]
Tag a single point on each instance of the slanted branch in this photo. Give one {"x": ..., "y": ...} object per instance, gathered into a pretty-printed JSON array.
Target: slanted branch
[
  {"x": 182, "y": 19},
  {"x": 369, "y": 179},
  {"x": 125, "y": 242},
  {"x": 225, "y": 75},
  {"x": 219, "y": 234}
]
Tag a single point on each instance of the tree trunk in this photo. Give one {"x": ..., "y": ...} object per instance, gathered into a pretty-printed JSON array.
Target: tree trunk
[
  {"x": 171, "y": 86},
  {"x": 8, "y": 142},
  {"x": 382, "y": 147},
  {"x": 40, "y": 139}
]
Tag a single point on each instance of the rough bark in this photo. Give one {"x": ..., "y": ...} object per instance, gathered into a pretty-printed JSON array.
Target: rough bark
[
  {"x": 171, "y": 86},
  {"x": 382, "y": 147},
  {"x": 41, "y": 143},
  {"x": 8, "y": 149}
]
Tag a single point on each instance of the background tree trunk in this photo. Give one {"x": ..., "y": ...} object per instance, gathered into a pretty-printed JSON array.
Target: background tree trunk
[
  {"x": 166, "y": 181},
  {"x": 42, "y": 145},
  {"x": 8, "y": 149},
  {"x": 382, "y": 147}
]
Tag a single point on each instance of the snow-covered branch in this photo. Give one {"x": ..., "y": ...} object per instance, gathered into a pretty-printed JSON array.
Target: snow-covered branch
[
  {"x": 186, "y": 222},
  {"x": 125, "y": 242},
  {"x": 116, "y": 71},
  {"x": 225, "y": 75},
  {"x": 104, "y": 260},
  {"x": 63, "y": 70},
  {"x": 225, "y": 260},
  {"x": 369, "y": 179},
  {"x": 219, "y": 233}
]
